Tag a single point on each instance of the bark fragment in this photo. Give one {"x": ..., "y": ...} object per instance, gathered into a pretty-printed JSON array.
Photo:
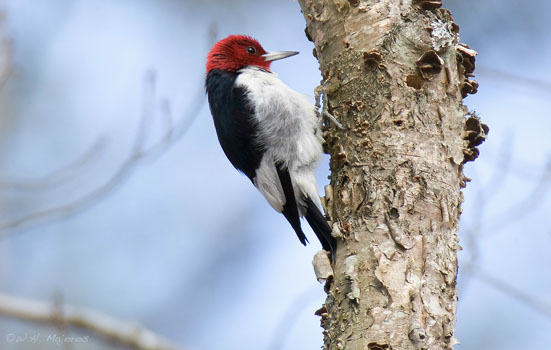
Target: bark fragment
[
  {"x": 414, "y": 81},
  {"x": 429, "y": 64},
  {"x": 475, "y": 134},
  {"x": 466, "y": 65},
  {"x": 430, "y": 5},
  {"x": 322, "y": 266},
  {"x": 372, "y": 59},
  {"x": 351, "y": 274}
]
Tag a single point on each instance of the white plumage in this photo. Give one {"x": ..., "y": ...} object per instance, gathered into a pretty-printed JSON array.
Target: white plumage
[{"x": 287, "y": 124}]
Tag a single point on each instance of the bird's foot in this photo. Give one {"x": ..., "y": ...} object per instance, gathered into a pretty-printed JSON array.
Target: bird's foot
[{"x": 321, "y": 107}]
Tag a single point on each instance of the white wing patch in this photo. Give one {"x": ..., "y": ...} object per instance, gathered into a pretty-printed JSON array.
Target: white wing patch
[{"x": 267, "y": 182}]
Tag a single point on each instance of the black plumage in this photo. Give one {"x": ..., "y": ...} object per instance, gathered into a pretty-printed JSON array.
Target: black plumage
[
  {"x": 320, "y": 226},
  {"x": 290, "y": 208},
  {"x": 235, "y": 127}
]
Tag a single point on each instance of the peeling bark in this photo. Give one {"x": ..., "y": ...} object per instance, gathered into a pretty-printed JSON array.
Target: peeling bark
[{"x": 395, "y": 75}]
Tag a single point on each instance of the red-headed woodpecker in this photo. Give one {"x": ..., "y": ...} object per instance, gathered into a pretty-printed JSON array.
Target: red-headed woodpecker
[{"x": 268, "y": 131}]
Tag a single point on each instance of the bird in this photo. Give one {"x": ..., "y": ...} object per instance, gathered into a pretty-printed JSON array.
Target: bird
[{"x": 268, "y": 131}]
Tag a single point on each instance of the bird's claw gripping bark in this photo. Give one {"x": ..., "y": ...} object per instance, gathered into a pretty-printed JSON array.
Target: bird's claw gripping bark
[{"x": 321, "y": 107}]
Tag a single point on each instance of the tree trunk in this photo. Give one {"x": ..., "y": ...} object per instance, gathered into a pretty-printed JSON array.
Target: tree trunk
[{"x": 395, "y": 76}]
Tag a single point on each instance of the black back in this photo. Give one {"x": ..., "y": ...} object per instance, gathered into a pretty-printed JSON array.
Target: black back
[{"x": 233, "y": 121}]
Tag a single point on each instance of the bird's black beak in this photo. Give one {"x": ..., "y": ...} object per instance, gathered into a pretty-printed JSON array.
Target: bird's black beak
[{"x": 277, "y": 55}]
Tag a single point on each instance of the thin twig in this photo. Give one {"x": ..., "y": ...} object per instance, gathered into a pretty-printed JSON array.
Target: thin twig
[
  {"x": 58, "y": 176},
  {"x": 123, "y": 332},
  {"x": 137, "y": 155}
]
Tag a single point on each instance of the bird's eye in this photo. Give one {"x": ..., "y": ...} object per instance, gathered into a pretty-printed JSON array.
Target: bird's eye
[{"x": 251, "y": 50}]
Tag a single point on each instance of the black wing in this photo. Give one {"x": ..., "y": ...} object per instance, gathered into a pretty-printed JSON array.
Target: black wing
[
  {"x": 290, "y": 209},
  {"x": 233, "y": 120},
  {"x": 320, "y": 227}
]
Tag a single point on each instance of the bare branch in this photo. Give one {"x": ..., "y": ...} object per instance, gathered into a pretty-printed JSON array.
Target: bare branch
[
  {"x": 127, "y": 333},
  {"x": 58, "y": 176},
  {"x": 139, "y": 153}
]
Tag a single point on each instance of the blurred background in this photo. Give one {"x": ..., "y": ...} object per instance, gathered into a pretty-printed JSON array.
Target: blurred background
[{"x": 116, "y": 197}]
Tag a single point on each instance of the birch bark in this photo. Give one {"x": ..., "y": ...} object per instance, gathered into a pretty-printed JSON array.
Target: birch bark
[{"x": 395, "y": 76}]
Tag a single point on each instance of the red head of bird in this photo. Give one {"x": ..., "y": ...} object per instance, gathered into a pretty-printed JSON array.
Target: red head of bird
[{"x": 239, "y": 51}]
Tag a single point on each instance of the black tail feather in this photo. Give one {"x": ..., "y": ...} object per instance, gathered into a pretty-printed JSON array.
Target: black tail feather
[
  {"x": 290, "y": 209},
  {"x": 320, "y": 227},
  {"x": 313, "y": 215}
]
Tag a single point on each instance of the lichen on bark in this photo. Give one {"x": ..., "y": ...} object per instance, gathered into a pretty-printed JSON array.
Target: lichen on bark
[{"x": 395, "y": 75}]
